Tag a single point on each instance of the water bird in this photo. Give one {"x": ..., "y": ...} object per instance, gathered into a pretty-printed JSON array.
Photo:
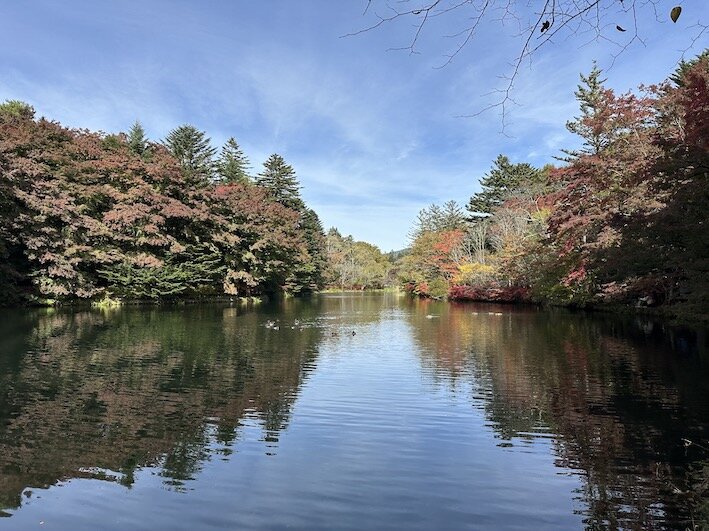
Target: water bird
[
  {"x": 429, "y": 316},
  {"x": 354, "y": 333}
]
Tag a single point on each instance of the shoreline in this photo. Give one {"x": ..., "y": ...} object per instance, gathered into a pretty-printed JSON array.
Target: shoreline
[{"x": 672, "y": 314}]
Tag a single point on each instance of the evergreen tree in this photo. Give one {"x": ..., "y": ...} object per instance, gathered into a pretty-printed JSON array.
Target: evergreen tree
[
  {"x": 452, "y": 216},
  {"x": 233, "y": 166},
  {"x": 678, "y": 78},
  {"x": 137, "y": 141},
  {"x": 590, "y": 95},
  {"x": 309, "y": 276},
  {"x": 279, "y": 179},
  {"x": 437, "y": 218},
  {"x": 499, "y": 184},
  {"x": 191, "y": 147},
  {"x": 425, "y": 221}
]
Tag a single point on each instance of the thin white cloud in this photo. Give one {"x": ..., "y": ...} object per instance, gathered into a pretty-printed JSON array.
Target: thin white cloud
[{"x": 373, "y": 135}]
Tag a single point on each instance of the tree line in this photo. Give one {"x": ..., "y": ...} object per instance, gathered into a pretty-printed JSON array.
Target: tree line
[
  {"x": 355, "y": 264},
  {"x": 621, "y": 220},
  {"x": 87, "y": 215}
]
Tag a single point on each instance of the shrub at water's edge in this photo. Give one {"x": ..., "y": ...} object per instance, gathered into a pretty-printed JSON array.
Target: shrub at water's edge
[{"x": 489, "y": 294}]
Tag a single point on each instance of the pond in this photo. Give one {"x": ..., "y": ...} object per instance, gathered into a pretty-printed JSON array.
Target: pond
[{"x": 351, "y": 411}]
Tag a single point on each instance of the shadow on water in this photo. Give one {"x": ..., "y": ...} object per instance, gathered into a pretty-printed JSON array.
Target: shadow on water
[
  {"x": 83, "y": 393},
  {"x": 625, "y": 400}
]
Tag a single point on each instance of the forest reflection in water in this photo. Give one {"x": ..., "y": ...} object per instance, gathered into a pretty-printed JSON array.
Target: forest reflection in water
[
  {"x": 625, "y": 400},
  {"x": 120, "y": 389},
  {"x": 620, "y": 403}
]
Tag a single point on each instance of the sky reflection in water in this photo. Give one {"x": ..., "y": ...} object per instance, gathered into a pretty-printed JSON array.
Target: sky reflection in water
[{"x": 431, "y": 415}]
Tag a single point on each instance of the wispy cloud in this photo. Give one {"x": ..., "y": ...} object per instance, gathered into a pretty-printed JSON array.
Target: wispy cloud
[{"x": 374, "y": 135}]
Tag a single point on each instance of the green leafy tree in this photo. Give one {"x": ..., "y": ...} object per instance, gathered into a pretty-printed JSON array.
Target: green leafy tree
[
  {"x": 233, "y": 166},
  {"x": 279, "y": 179},
  {"x": 16, "y": 109},
  {"x": 354, "y": 264},
  {"x": 191, "y": 147},
  {"x": 425, "y": 221},
  {"x": 373, "y": 266}
]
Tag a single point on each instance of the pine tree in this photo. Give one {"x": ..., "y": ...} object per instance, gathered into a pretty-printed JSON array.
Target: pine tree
[
  {"x": 424, "y": 222},
  {"x": 437, "y": 218},
  {"x": 678, "y": 78},
  {"x": 452, "y": 216},
  {"x": 279, "y": 179},
  {"x": 590, "y": 95},
  {"x": 309, "y": 276},
  {"x": 499, "y": 184},
  {"x": 233, "y": 166},
  {"x": 191, "y": 147},
  {"x": 137, "y": 141}
]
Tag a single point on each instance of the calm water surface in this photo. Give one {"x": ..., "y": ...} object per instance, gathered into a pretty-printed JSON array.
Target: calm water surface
[{"x": 351, "y": 412}]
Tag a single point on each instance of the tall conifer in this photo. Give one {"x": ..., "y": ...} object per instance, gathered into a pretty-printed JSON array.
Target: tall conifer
[
  {"x": 191, "y": 147},
  {"x": 279, "y": 179},
  {"x": 233, "y": 166},
  {"x": 137, "y": 141},
  {"x": 590, "y": 95},
  {"x": 499, "y": 184}
]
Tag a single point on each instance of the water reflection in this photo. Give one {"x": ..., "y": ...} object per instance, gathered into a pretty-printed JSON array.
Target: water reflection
[
  {"x": 404, "y": 399},
  {"x": 84, "y": 392},
  {"x": 625, "y": 399}
]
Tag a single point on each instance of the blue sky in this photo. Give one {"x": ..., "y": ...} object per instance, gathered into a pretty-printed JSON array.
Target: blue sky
[{"x": 374, "y": 134}]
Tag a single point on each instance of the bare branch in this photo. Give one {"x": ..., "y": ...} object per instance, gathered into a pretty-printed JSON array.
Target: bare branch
[
  {"x": 555, "y": 22},
  {"x": 470, "y": 32}
]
